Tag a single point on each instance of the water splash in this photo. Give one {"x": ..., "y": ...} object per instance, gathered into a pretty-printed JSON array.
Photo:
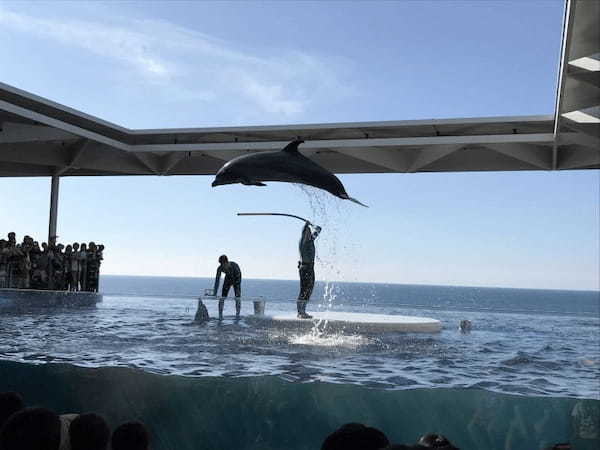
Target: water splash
[
  {"x": 333, "y": 248},
  {"x": 322, "y": 339}
]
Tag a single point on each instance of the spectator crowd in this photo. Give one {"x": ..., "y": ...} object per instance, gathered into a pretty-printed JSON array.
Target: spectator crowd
[
  {"x": 52, "y": 266},
  {"x": 37, "y": 428}
]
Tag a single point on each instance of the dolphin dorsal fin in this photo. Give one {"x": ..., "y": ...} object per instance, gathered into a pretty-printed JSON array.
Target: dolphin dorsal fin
[{"x": 292, "y": 147}]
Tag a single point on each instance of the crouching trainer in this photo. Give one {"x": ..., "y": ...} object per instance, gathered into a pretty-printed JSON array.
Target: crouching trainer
[{"x": 233, "y": 277}]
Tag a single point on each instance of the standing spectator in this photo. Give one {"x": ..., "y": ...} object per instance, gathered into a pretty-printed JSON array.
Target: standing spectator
[
  {"x": 92, "y": 267},
  {"x": 67, "y": 266},
  {"x": 3, "y": 263},
  {"x": 100, "y": 257},
  {"x": 75, "y": 267},
  {"x": 27, "y": 266},
  {"x": 83, "y": 267},
  {"x": 42, "y": 264},
  {"x": 24, "y": 267},
  {"x": 51, "y": 249},
  {"x": 12, "y": 265},
  {"x": 59, "y": 271}
]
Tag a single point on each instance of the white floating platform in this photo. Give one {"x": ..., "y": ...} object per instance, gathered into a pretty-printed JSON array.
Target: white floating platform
[{"x": 352, "y": 322}]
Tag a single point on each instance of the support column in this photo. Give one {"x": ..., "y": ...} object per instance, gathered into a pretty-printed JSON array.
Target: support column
[{"x": 53, "y": 210}]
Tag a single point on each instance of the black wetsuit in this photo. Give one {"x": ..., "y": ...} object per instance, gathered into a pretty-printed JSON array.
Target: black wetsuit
[
  {"x": 306, "y": 267},
  {"x": 233, "y": 277}
]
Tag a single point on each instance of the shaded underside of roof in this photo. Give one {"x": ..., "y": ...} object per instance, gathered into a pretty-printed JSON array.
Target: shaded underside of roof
[
  {"x": 41, "y": 138},
  {"x": 578, "y": 98}
]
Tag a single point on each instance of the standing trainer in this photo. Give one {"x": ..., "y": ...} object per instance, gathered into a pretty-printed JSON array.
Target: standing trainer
[
  {"x": 306, "y": 266},
  {"x": 233, "y": 277}
]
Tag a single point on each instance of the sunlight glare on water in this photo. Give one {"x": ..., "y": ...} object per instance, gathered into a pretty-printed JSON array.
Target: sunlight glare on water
[{"x": 322, "y": 339}]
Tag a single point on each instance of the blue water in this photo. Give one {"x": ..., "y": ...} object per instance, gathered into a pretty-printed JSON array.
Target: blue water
[{"x": 533, "y": 357}]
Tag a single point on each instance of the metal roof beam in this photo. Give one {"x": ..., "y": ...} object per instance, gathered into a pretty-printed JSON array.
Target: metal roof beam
[
  {"x": 579, "y": 158},
  {"x": 335, "y": 144},
  {"x": 76, "y": 150},
  {"x": 34, "y": 154},
  {"x": 393, "y": 160},
  {"x": 531, "y": 154},
  {"x": 429, "y": 155},
  {"x": 41, "y": 118},
  {"x": 12, "y": 132}
]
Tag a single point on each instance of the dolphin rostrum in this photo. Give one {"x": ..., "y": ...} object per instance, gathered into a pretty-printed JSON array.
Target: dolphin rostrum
[{"x": 287, "y": 165}]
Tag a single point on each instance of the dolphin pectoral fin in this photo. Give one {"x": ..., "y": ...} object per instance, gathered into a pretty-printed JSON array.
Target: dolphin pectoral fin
[{"x": 258, "y": 183}]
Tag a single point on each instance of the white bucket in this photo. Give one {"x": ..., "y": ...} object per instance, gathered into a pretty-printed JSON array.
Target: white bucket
[{"x": 259, "y": 307}]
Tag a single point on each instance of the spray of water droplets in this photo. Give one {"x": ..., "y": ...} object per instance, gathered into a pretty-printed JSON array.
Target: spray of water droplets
[{"x": 333, "y": 247}]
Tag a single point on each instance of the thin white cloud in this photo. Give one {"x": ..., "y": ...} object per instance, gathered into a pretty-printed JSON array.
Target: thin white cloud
[
  {"x": 125, "y": 46},
  {"x": 186, "y": 62}
]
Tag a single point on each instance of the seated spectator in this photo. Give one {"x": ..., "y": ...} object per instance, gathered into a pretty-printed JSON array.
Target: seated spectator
[
  {"x": 130, "y": 436},
  {"x": 432, "y": 440},
  {"x": 31, "y": 429},
  {"x": 89, "y": 432},
  {"x": 355, "y": 436},
  {"x": 10, "y": 403}
]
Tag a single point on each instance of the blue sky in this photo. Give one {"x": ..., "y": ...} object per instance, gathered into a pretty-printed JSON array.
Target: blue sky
[{"x": 194, "y": 64}]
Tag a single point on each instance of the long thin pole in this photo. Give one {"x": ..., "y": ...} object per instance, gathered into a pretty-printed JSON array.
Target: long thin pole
[
  {"x": 275, "y": 214},
  {"x": 53, "y": 210}
]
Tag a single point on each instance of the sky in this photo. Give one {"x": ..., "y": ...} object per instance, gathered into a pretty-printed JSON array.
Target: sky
[{"x": 199, "y": 64}]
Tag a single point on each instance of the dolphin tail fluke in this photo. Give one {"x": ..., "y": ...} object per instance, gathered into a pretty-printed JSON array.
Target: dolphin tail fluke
[
  {"x": 356, "y": 201},
  {"x": 252, "y": 183}
]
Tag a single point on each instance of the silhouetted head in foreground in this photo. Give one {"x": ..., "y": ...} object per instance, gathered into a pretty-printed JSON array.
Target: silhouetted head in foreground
[
  {"x": 10, "y": 403},
  {"x": 89, "y": 432},
  {"x": 432, "y": 440},
  {"x": 355, "y": 436},
  {"x": 31, "y": 429},
  {"x": 130, "y": 436}
]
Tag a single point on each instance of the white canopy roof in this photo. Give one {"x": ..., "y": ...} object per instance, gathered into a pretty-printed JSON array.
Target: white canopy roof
[{"x": 41, "y": 138}]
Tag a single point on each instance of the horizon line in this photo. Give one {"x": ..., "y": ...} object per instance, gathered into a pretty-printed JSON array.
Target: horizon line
[{"x": 371, "y": 282}]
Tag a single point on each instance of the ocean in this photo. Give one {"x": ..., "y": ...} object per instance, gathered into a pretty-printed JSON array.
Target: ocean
[{"x": 526, "y": 376}]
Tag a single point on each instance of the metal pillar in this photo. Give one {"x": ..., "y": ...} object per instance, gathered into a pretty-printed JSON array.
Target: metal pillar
[{"x": 53, "y": 210}]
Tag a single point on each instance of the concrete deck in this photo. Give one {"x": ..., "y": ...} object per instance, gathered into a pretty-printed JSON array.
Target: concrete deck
[{"x": 18, "y": 298}]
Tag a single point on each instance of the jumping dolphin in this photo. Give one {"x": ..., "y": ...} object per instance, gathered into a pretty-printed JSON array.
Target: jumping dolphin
[{"x": 287, "y": 165}]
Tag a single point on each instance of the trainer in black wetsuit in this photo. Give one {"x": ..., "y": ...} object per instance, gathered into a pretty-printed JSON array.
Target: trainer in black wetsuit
[
  {"x": 307, "y": 268},
  {"x": 233, "y": 277}
]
